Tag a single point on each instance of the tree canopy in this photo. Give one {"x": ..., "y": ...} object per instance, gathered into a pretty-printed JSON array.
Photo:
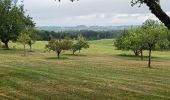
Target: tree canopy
[
  {"x": 58, "y": 45},
  {"x": 13, "y": 20},
  {"x": 80, "y": 44},
  {"x": 151, "y": 36}
]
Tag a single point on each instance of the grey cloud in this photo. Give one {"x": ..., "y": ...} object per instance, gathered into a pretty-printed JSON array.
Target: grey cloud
[{"x": 88, "y": 12}]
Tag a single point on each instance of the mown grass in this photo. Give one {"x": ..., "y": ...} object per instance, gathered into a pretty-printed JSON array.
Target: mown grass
[{"x": 98, "y": 73}]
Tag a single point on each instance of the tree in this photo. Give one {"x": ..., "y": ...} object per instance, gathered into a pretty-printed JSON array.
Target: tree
[
  {"x": 131, "y": 40},
  {"x": 31, "y": 32},
  {"x": 23, "y": 38},
  {"x": 12, "y": 20},
  {"x": 59, "y": 45},
  {"x": 80, "y": 44},
  {"x": 151, "y": 36},
  {"x": 155, "y": 37}
]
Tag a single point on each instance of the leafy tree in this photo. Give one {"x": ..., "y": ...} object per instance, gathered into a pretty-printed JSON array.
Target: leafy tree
[
  {"x": 80, "y": 44},
  {"x": 12, "y": 20},
  {"x": 31, "y": 32},
  {"x": 59, "y": 45},
  {"x": 23, "y": 38},
  {"x": 131, "y": 40},
  {"x": 151, "y": 36},
  {"x": 119, "y": 42},
  {"x": 155, "y": 37}
]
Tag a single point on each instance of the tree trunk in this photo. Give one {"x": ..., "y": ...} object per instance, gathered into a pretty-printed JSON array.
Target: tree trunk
[
  {"x": 73, "y": 52},
  {"x": 149, "y": 63},
  {"x": 141, "y": 54},
  {"x": 58, "y": 54},
  {"x": 30, "y": 48},
  {"x": 6, "y": 44},
  {"x": 158, "y": 12},
  {"x": 136, "y": 53},
  {"x": 79, "y": 51},
  {"x": 24, "y": 50}
]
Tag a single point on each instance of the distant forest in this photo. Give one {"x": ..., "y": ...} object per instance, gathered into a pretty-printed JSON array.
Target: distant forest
[{"x": 43, "y": 35}]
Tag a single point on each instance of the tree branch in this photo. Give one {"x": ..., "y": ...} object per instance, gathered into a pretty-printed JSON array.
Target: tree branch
[{"x": 158, "y": 12}]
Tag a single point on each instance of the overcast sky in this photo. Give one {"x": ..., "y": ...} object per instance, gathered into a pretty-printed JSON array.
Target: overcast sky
[{"x": 88, "y": 12}]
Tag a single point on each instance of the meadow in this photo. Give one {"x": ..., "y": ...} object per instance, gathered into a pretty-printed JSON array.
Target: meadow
[{"x": 98, "y": 73}]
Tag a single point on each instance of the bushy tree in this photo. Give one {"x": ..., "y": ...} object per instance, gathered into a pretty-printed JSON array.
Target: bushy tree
[
  {"x": 151, "y": 36},
  {"x": 131, "y": 40},
  {"x": 59, "y": 45},
  {"x": 13, "y": 21},
  {"x": 23, "y": 38},
  {"x": 80, "y": 44},
  {"x": 119, "y": 42}
]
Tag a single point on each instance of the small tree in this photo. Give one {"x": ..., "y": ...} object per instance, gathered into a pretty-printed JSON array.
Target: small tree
[
  {"x": 23, "y": 38},
  {"x": 59, "y": 45},
  {"x": 31, "y": 32},
  {"x": 80, "y": 44},
  {"x": 155, "y": 37}
]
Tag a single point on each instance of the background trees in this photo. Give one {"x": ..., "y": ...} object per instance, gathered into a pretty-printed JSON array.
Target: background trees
[
  {"x": 89, "y": 35},
  {"x": 151, "y": 36}
]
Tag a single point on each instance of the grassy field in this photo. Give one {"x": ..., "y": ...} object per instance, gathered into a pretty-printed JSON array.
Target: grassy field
[{"x": 98, "y": 73}]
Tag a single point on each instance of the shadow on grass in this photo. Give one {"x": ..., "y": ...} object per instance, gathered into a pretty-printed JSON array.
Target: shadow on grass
[
  {"x": 78, "y": 55},
  {"x": 56, "y": 58},
  {"x": 10, "y": 51},
  {"x": 137, "y": 58}
]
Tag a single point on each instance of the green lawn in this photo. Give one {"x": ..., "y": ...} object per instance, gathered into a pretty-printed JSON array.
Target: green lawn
[{"x": 98, "y": 73}]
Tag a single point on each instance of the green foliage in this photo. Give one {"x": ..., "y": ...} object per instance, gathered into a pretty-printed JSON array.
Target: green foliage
[
  {"x": 89, "y": 35},
  {"x": 131, "y": 40},
  {"x": 13, "y": 21},
  {"x": 32, "y": 33},
  {"x": 155, "y": 35},
  {"x": 151, "y": 36},
  {"x": 23, "y": 38},
  {"x": 80, "y": 44},
  {"x": 59, "y": 45}
]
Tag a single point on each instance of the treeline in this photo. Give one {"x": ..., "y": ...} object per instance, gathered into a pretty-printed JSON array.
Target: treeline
[{"x": 42, "y": 35}]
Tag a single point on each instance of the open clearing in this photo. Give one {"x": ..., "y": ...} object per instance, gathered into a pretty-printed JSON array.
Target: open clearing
[{"x": 98, "y": 73}]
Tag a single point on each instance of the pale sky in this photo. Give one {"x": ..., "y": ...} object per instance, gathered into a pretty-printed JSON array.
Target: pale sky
[{"x": 88, "y": 12}]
